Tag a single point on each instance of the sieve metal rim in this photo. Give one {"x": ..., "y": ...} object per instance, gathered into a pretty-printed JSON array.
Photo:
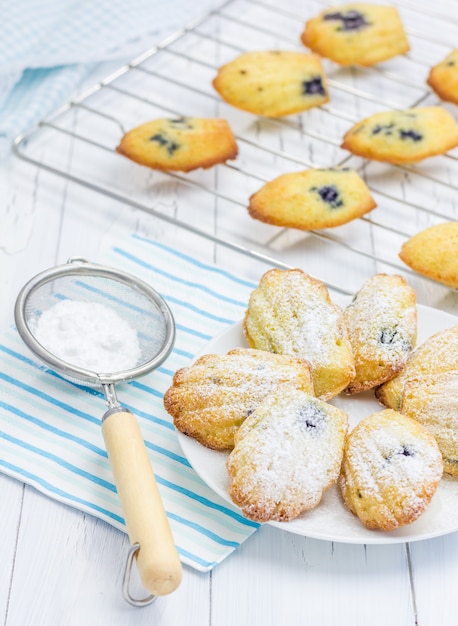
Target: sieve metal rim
[{"x": 78, "y": 266}]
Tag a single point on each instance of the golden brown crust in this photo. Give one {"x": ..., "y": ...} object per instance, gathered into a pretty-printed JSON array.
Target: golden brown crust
[
  {"x": 403, "y": 136},
  {"x": 436, "y": 355},
  {"x": 181, "y": 144},
  {"x": 433, "y": 401},
  {"x": 382, "y": 326},
  {"x": 274, "y": 83},
  {"x": 356, "y": 34},
  {"x": 286, "y": 454},
  {"x": 292, "y": 313},
  {"x": 211, "y": 398},
  {"x": 443, "y": 78},
  {"x": 433, "y": 252},
  {"x": 390, "y": 470},
  {"x": 312, "y": 199}
]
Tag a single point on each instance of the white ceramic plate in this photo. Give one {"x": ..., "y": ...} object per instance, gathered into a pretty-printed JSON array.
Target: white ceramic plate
[{"x": 330, "y": 520}]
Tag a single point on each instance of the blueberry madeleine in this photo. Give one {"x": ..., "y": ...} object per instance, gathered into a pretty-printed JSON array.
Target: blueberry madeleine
[
  {"x": 273, "y": 83},
  {"x": 382, "y": 326},
  {"x": 211, "y": 398},
  {"x": 403, "y": 136},
  {"x": 390, "y": 471},
  {"x": 437, "y": 355},
  {"x": 357, "y": 34},
  {"x": 290, "y": 312},
  {"x": 321, "y": 198},
  {"x": 286, "y": 454},
  {"x": 180, "y": 144},
  {"x": 433, "y": 401}
]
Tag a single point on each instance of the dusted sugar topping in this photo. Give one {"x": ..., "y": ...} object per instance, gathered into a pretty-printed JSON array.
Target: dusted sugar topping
[
  {"x": 391, "y": 468},
  {"x": 382, "y": 325},
  {"x": 433, "y": 401},
  {"x": 295, "y": 316},
  {"x": 436, "y": 355},
  {"x": 286, "y": 454},
  {"x": 210, "y": 399},
  {"x": 291, "y": 313},
  {"x": 89, "y": 335}
]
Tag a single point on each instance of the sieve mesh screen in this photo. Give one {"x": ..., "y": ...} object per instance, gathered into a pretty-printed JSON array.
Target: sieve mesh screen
[{"x": 137, "y": 304}]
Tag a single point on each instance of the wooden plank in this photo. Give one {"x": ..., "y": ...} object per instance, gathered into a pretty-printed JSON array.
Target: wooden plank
[
  {"x": 10, "y": 519},
  {"x": 69, "y": 568},
  {"x": 292, "y": 579}
]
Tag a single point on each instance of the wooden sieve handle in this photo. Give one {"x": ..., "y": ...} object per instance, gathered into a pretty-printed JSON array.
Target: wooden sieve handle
[{"x": 146, "y": 521}]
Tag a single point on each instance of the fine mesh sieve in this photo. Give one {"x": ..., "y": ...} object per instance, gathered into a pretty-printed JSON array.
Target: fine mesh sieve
[{"x": 146, "y": 313}]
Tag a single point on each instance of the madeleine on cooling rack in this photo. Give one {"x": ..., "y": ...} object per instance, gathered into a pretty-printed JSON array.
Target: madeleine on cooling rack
[
  {"x": 315, "y": 198},
  {"x": 357, "y": 34},
  {"x": 403, "y": 136},
  {"x": 180, "y": 144},
  {"x": 273, "y": 83}
]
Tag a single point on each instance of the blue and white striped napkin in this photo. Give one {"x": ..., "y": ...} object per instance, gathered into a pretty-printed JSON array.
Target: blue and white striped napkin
[{"x": 50, "y": 435}]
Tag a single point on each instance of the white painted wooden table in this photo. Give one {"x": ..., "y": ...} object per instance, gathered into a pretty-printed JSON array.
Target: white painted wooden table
[{"x": 60, "y": 566}]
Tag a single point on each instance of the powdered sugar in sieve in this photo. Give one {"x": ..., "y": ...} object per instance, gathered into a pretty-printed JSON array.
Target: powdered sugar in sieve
[{"x": 89, "y": 334}]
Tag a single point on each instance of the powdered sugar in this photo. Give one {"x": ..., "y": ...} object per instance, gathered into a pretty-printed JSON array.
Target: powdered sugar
[
  {"x": 291, "y": 313},
  {"x": 391, "y": 470},
  {"x": 88, "y": 335},
  {"x": 212, "y": 397},
  {"x": 287, "y": 453},
  {"x": 382, "y": 317},
  {"x": 302, "y": 319}
]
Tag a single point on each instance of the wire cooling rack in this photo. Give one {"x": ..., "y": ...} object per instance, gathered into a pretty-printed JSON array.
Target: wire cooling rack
[{"x": 174, "y": 79}]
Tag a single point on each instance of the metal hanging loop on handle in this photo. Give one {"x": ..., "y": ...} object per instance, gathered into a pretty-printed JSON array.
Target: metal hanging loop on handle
[{"x": 126, "y": 581}]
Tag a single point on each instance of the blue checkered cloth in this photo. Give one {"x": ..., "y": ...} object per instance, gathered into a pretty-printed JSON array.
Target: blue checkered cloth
[{"x": 48, "y": 48}]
